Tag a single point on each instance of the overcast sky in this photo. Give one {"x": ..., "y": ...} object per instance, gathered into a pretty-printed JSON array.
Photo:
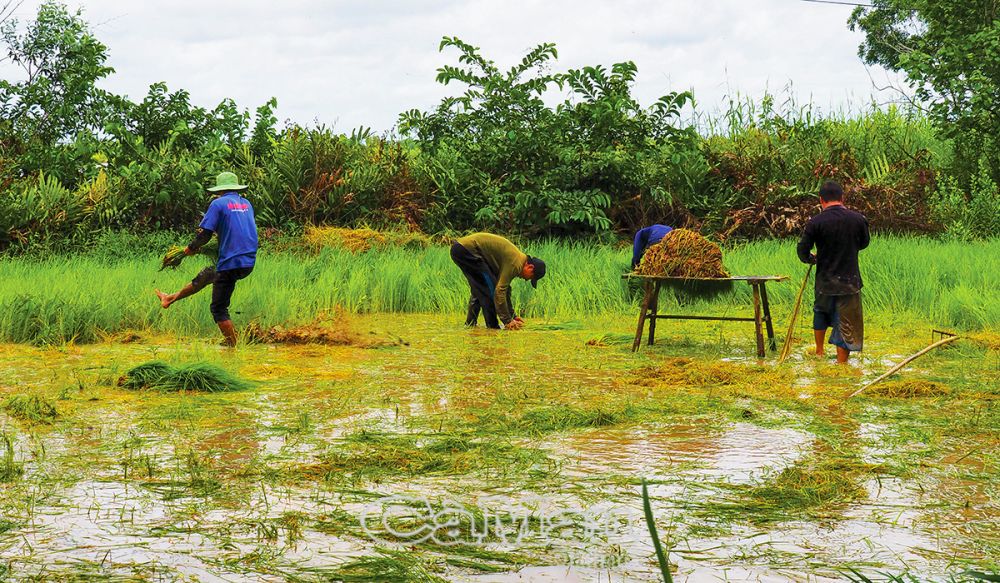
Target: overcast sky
[{"x": 347, "y": 64}]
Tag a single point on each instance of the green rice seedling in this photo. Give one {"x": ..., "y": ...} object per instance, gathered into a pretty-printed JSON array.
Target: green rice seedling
[
  {"x": 202, "y": 377},
  {"x": 30, "y": 408}
]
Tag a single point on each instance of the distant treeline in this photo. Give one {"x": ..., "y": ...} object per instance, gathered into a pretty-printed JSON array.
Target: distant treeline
[{"x": 76, "y": 160}]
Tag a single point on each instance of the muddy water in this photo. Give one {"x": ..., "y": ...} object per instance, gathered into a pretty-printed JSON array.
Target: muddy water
[{"x": 222, "y": 487}]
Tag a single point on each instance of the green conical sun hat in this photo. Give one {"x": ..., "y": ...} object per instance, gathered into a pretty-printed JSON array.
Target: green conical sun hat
[{"x": 227, "y": 181}]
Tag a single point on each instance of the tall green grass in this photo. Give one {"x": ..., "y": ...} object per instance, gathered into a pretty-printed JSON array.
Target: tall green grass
[{"x": 83, "y": 298}]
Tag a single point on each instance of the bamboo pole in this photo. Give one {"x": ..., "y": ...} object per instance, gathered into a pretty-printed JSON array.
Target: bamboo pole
[
  {"x": 899, "y": 366},
  {"x": 786, "y": 349}
]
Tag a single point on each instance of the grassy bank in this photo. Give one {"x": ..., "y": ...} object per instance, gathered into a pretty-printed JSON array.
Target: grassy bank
[{"x": 83, "y": 298}]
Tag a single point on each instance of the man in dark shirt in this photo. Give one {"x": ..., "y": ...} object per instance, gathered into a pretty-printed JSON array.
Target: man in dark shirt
[
  {"x": 644, "y": 238},
  {"x": 838, "y": 234},
  {"x": 230, "y": 216}
]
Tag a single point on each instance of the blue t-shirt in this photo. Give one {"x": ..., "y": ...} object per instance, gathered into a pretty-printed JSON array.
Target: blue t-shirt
[
  {"x": 644, "y": 238},
  {"x": 231, "y": 218}
]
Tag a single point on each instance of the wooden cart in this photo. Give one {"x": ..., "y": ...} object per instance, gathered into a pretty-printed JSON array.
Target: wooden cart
[{"x": 761, "y": 308}]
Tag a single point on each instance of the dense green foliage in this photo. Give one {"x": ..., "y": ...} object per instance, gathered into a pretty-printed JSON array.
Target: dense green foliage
[
  {"x": 86, "y": 298},
  {"x": 77, "y": 161},
  {"x": 950, "y": 52}
]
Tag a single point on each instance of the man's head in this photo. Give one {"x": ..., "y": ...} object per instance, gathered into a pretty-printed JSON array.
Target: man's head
[
  {"x": 830, "y": 193},
  {"x": 534, "y": 269}
]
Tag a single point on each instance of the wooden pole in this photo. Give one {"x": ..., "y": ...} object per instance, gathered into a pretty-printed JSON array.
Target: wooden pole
[
  {"x": 899, "y": 366},
  {"x": 786, "y": 349},
  {"x": 756, "y": 318}
]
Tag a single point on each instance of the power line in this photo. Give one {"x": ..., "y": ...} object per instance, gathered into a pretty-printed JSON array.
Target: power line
[
  {"x": 845, "y": 3},
  {"x": 840, "y": 3}
]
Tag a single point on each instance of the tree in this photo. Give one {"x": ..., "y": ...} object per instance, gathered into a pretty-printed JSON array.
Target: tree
[
  {"x": 58, "y": 97},
  {"x": 950, "y": 53}
]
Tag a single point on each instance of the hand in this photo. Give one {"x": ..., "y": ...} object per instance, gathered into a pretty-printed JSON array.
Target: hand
[
  {"x": 188, "y": 251},
  {"x": 514, "y": 325}
]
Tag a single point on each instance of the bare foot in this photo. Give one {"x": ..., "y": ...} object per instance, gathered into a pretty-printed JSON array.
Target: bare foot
[{"x": 165, "y": 299}]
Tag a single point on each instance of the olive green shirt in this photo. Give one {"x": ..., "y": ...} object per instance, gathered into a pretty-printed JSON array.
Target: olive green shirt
[{"x": 505, "y": 260}]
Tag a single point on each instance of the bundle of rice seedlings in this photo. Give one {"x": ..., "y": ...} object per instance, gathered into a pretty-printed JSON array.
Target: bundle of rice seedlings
[
  {"x": 173, "y": 257},
  {"x": 683, "y": 253},
  {"x": 203, "y": 377},
  {"x": 906, "y": 389},
  {"x": 159, "y": 376},
  {"x": 145, "y": 375}
]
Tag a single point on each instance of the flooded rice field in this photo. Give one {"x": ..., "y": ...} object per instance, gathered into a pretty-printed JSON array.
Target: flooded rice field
[{"x": 467, "y": 455}]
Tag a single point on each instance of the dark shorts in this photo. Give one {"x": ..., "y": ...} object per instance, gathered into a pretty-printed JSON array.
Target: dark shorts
[
  {"x": 844, "y": 315},
  {"x": 223, "y": 285}
]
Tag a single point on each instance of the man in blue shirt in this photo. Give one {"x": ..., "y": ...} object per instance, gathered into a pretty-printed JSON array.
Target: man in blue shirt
[
  {"x": 644, "y": 238},
  {"x": 230, "y": 216}
]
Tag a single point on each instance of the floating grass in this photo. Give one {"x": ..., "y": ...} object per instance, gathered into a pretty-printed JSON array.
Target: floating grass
[
  {"x": 388, "y": 566},
  {"x": 909, "y": 389},
  {"x": 202, "y": 377},
  {"x": 31, "y": 408},
  {"x": 367, "y": 455}
]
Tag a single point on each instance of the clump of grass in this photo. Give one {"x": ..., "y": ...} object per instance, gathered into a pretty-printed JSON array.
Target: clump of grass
[
  {"x": 368, "y": 455},
  {"x": 334, "y": 329},
  {"x": 809, "y": 484},
  {"x": 362, "y": 240},
  {"x": 203, "y": 377},
  {"x": 986, "y": 339},
  {"x": 907, "y": 389},
  {"x": 689, "y": 371},
  {"x": 610, "y": 339},
  {"x": 388, "y": 566},
  {"x": 561, "y": 418},
  {"x": 31, "y": 408}
]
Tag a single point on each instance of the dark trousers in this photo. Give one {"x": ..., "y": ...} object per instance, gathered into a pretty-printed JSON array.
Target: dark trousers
[
  {"x": 223, "y": 285},
  {"x": 482, "y": 283}
]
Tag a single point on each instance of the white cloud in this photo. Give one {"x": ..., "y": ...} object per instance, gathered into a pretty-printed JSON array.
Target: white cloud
[{"x": 361, "y": 63}]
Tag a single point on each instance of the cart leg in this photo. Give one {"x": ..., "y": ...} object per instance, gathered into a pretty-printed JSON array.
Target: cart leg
[
  {"x": 647, "y": 296},
  {"x": 654, "y": 309},
  {"x": 756, "y": 320},
  {"x": 767, "y": 316}
]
